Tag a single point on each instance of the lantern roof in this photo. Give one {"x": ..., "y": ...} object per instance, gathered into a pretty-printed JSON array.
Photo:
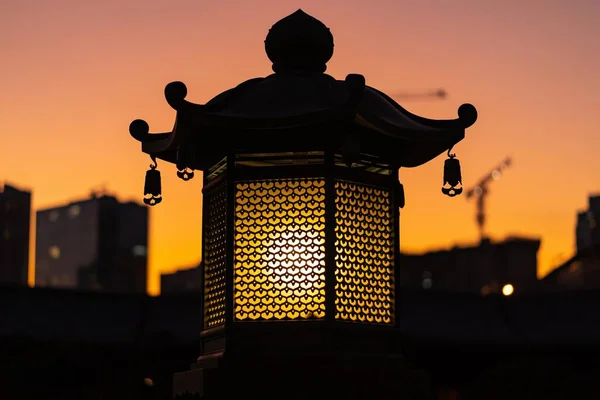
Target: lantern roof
[{"x": 301, "y": 105}]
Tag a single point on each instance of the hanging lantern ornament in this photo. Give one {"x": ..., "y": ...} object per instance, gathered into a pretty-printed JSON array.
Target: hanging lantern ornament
[
  {"x": 452, "y": 176},
  {"x": 152, "y": 186},
  {"x": 184, "y": 156}
]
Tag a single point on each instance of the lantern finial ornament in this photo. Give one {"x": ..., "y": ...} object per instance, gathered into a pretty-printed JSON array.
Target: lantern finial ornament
[
  {"x": 299, "y": 42},
  {"x": 452, "y": 176},
  {"x": 152, "y": 186}
]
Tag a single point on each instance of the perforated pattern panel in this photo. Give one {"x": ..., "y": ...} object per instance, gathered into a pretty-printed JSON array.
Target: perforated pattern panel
[
  {"x": 280, "y": 249},
  {"x": 364, "y": 245},
  {"x": 215, "y": 256}
]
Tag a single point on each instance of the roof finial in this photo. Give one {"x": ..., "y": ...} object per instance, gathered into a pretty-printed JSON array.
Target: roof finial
[{"x": 299, "y": 42}]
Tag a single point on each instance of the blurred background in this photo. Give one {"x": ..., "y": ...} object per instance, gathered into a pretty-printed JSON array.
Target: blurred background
[{"x": 75, "y": 74}]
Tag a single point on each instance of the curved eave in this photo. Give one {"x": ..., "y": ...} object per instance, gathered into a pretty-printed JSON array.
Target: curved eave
[
  {"x": 158, "y": 142},
  {"x": 418, "y": 139},
  {"x": 212, "y": 124},
  {"x": 467, "y": 114},
  {"x": 193, "y": 119}
]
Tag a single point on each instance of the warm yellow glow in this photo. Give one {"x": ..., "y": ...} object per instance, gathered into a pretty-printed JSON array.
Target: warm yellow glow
[
  {"x": 364, "y": 258},
  {"x": 508, "y": 289},
  {"x": 279, "y": 270},
  {"x": 54, "y": 252},
  {"x": 279, "y": 252}
]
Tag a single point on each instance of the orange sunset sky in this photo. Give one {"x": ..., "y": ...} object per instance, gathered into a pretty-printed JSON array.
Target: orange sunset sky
[{"x": 74, "y": 74}]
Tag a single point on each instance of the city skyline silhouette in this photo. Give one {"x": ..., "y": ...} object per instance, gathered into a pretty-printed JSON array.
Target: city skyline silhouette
[{"x": 73, "y": 80}]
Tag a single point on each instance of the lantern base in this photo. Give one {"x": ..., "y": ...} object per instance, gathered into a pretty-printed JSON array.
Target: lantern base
[{"x": 324, "y": 376}]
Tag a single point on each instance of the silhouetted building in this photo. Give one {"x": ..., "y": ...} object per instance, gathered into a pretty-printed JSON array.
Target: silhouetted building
[
  {"x": 581, "y": 272},
  {"x": 94, "y": 244},
  {"x": 182, "y": 281},
  {"x": 587, "y": 231},
  {"x": 480, "y": 269},
  {"x": 15, "y": 218}
]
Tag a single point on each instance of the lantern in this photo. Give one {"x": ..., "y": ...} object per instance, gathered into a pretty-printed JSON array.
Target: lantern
[{"x": 301, "y": 215}]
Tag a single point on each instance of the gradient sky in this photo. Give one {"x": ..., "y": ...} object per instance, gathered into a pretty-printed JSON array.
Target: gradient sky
[{"x": 74, "y": 74}]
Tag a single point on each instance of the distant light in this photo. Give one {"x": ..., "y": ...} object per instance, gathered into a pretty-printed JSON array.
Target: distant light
[
  {"x": 53, "y": 216},
  {"x": 54, "y": 252},
  {"x": 139, "y": 251},
  {"x": 508, "y": 289},
  {"x": 148, "y": 382},
  {"x": 427, "y": 283},
  {"x": 496, "y": 174},
  {"x": 478, "y": 191},
  {"x": 74, "y": 211}
]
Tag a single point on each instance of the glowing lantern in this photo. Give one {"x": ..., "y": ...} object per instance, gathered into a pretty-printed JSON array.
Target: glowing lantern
[{"x": 301, "y": 198}]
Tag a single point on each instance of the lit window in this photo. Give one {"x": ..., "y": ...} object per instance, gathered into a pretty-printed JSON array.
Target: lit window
[
  {"x": 54, "y": 252},
  {"x": 74, "y": 211},
  {"x": 53, "y": 216},
  {"x": 139, "y": 251},
  {"x": 427, "y": 282}
]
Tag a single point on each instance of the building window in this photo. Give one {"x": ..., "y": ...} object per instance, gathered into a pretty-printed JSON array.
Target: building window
[
  {"x": 427, "y": 282},
  {"x": 53, "y": 216},
  {"x": 74, "y": 211},
  {"x": 139, "y": 251},
  {"x": 54, "y": 252}
]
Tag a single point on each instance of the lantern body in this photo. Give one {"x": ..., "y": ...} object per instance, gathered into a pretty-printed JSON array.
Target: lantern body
[{"x": 299, "y": 237}]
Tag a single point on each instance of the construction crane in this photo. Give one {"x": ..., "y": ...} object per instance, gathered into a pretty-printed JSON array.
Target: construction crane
[
  {"x": 480, "y": 191},
  {"x": 438, "y": 93}
]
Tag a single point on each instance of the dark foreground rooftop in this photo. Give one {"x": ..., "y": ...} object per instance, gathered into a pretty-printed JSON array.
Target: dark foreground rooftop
[
  {"x": 552, "y": 318},
  {"x": 71, "y": 345}
]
